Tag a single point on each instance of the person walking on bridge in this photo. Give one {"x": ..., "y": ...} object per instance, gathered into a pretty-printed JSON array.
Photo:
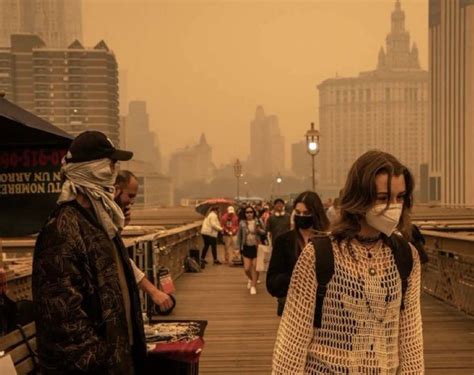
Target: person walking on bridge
[
  {"x": 230, "y": 224},
  {"x": 248, "y": 239},
  {"x": 278, "y": 222},
  {"x": 353, "y": 305},
  {"x": 310, "y": 220},
  {"x": 210, "y": 229}
]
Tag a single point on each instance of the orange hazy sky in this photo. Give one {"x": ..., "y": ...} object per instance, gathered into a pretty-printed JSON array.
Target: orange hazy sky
[{"x": 204, "y": 66}]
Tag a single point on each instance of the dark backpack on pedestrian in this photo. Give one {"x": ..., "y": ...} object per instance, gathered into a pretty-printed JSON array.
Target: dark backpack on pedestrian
[
  {"x": 418, "y": 240},
  {"x": 401, "y": 251}
]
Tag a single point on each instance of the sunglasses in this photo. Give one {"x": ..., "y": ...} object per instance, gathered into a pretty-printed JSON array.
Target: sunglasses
[{"x": 249, "y": 212}]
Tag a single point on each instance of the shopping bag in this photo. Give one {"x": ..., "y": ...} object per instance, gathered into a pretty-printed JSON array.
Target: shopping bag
[
  {"x": 263, "y": 258},
  {"x": 267, "y": 255}
]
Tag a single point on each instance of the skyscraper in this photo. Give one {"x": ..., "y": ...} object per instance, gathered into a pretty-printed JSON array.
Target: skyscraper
[
  {"x": 57, "y": 22},
  {"x": 75, "y": 88},
  {"x": 192, "y": 163},
  {"x": 267, "y": 145},
  {"x": 10, "y": 20},
  {"x": 139, "y": 138},
  {"x": 385, "y": 109},
  {"x": 451, "y": 59}
]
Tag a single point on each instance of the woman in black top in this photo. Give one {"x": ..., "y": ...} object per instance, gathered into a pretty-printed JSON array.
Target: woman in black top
[{"x": 310, "y": 218}]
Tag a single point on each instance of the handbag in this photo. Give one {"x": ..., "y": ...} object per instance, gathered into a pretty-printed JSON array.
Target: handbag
[{"x": 263, "y": 258}]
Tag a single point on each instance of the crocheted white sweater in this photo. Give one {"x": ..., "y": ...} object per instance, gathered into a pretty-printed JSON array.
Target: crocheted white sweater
[{"x": 363, "y": 329}]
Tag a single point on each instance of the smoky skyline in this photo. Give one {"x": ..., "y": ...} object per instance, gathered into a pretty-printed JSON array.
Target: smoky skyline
[{"x": 204, "y": 66}]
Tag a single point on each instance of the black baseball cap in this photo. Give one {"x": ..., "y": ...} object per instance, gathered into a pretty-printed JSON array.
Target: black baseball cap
[{"x": 93, "y": 145}]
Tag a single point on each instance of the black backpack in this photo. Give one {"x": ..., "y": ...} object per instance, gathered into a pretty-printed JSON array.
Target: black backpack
[
  {"x": 191, "y": 265},
  {"x": 418, "y": 240},
  {"x": 325, "y": 268}
]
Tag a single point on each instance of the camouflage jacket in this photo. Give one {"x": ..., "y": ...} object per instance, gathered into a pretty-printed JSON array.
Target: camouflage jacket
[{"x": 80, "y": 316}]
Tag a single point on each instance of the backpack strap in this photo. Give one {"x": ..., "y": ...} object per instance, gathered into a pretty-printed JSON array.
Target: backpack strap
[
  {"x": 403, "y": 256},
  {"x": 324, "y": 271},
  {"x": 418, "y": 240}
]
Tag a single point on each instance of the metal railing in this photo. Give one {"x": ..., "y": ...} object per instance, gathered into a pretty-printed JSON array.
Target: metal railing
[
  {"x": 449, "y": 274},
  {"x": 163, "y": 249}
]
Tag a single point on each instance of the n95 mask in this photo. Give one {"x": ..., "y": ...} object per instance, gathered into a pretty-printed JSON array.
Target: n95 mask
[{"x": 384, "y": 219}]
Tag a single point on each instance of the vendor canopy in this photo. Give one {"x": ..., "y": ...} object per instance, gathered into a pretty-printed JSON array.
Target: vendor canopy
[
  {"x": 31, "y": 150},
  {"x": 20, "y": 127}
]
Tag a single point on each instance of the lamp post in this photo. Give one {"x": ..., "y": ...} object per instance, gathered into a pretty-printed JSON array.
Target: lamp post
[
  {"x": 312, "y": 144},
  {"x": 238, "y": 174}
]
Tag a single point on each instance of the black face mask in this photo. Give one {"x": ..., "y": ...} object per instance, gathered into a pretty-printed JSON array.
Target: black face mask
[{"x": 303, "y": 221}]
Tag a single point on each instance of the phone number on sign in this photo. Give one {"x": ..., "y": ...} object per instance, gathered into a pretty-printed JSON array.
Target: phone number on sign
[{"x": 31, "y": 158}]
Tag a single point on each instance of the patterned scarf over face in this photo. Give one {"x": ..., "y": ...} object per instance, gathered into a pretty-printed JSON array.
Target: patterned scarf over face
[{"x": 95, "y": 180}]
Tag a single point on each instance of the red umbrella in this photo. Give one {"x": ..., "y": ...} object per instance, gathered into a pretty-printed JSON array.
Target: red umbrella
[{"x": 222, "y": 203}]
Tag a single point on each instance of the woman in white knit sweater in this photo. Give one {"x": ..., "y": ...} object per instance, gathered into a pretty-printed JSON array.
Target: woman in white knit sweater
[{"x": 365, "y": 327}]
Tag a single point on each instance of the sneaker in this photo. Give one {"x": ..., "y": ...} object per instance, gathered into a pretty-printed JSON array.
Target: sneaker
[
  {"x": 249, "y": 284},
  {"x": 253, "y": 290},
  {"x": 203, "y": 260},
  {"x": 217, "y": 262}
]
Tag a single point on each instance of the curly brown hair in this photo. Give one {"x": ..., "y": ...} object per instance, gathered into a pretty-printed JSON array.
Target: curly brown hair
[{"x": 360, "y": 193}]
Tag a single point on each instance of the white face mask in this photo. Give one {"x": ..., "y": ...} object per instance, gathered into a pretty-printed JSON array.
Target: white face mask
[{"x": 384, "y": 220}]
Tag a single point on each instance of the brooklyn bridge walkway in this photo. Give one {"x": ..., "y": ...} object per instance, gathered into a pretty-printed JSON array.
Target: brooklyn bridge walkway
[{"x": 242, "y": 328}]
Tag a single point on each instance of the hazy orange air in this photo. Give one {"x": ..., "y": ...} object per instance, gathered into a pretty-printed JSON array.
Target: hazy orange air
[{"x": 204, "y": 66}]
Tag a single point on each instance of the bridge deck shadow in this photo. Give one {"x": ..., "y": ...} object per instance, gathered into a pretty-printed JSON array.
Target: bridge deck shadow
[{"x": 242, "y": 328}]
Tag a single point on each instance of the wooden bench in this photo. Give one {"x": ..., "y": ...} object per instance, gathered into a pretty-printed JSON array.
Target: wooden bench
[{"x": 21, "y": 346}]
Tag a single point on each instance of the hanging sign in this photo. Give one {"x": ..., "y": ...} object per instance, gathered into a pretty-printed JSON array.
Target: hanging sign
[{"x": 30, "y": 182}]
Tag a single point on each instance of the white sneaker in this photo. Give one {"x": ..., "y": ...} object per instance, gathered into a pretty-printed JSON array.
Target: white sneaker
[
  {"x": 253, "y": 290},
  {"x": 249, "y": 284}
]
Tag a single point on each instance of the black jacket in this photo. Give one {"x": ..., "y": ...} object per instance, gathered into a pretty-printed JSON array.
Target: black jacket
[
  {"x": 80, "y": 316},
  {"x": 281, "y": 265}
]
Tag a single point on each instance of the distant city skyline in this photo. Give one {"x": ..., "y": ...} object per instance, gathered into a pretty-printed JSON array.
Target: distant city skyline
[{"x": 204, "y": 66}]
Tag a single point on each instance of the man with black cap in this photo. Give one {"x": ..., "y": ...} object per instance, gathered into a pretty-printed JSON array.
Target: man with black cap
[
  {"x": 279, "y": 221},
  {"x": 88, "y": 316}
]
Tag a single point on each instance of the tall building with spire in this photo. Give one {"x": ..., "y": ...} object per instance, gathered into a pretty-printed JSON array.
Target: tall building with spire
[
  {"x": 386, "y": 109},
  {"x": 399, "y": 54},
  {"x": 451, "y": 59},
  {"x": 267, "y": 145}
]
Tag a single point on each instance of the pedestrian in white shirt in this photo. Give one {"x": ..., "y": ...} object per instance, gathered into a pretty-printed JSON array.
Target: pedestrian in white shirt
[{"x": 210, "y": 229}]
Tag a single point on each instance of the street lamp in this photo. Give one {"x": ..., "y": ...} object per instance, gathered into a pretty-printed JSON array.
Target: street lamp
[
  {"x": 312, "y": 143},
  {"x": 238, "y": 174}
]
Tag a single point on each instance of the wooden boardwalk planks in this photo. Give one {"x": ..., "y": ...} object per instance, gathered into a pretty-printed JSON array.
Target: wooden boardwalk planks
[{"x": 242, "y": 328}]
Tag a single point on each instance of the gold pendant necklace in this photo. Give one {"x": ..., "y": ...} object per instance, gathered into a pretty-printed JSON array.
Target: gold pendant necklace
[{"x": 372, "y": 272}]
